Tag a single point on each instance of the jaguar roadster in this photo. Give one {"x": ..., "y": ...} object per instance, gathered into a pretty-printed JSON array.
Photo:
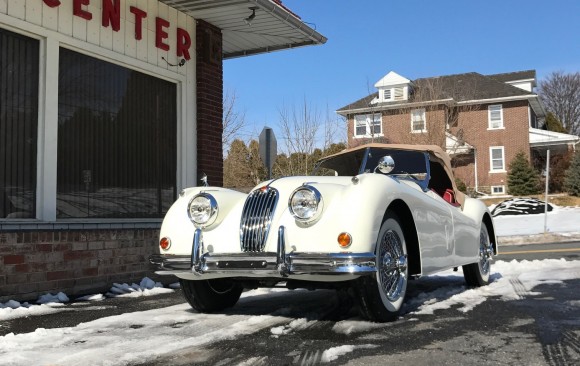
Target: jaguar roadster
[{"x": 368, "y": 219}]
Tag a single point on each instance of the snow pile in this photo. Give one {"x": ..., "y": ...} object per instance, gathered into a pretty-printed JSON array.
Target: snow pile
[
  {"x": 520, "y": 206},
  {"x": 561, "y": 220},
  {"x": 53, "y": 303},
  {"x": 333, "y": 353},
  {"x": 146, "y": 287},
  {"x": 53, "y": 299}
]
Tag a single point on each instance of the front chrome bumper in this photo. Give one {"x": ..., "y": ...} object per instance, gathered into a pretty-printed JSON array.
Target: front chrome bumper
[{"x": 266, "y": 264}]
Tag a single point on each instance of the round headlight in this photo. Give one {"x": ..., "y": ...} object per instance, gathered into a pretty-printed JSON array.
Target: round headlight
[
  {"x": 305, "y": 203},
  {"x": 202, "y": 209}
]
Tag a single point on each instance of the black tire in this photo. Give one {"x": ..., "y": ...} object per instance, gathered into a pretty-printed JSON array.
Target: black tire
[
  {"x": 208, "y": 296},
  {"x": 477, "y": 274},
  {"x": 381, "y": 297}
]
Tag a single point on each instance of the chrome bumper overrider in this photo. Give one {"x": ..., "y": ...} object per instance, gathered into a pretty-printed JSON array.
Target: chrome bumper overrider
[{"x": 264, "y": 264}]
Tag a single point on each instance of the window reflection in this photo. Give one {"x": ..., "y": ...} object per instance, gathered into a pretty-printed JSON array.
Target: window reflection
[
  {"x": 19, "y": 62},
  {"x": 116, "y": 140}
]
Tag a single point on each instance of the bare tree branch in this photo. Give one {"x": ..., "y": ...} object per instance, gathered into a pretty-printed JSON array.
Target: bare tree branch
[
  {"x": 233, "y": 120},
  {"x": 561, "y": 95}
]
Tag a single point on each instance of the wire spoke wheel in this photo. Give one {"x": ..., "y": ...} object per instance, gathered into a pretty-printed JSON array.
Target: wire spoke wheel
[
  {"x": 485, "y": 252},
  {"x": 392, "y": 265},
  {"x": 477, "y": 274},
  {"x": 382, "y": 296}
]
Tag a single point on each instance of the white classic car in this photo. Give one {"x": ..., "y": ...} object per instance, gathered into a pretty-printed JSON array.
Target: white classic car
[{"x": 370, "y": 218}]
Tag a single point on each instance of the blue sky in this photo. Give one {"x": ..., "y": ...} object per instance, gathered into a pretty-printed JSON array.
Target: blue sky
[{"x": 367, "y": 39}]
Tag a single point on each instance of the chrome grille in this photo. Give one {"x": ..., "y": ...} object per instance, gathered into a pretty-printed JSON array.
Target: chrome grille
[{"x": 256, "y": 219}]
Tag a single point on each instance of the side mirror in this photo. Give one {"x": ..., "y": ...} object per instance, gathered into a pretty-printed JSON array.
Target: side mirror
[{"x": 386, "y": 164}]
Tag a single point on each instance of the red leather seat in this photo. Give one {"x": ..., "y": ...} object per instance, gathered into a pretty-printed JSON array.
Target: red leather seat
[{"x": 449, "y": 196}]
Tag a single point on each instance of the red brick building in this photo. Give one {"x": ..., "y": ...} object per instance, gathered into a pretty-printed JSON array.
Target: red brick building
[
  {"x": 483, "y": 121},
  {"x": 108, "y": 108}
]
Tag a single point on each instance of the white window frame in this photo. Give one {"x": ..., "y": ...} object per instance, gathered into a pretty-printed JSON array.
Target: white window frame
[
  {"x": 491, "y": 159},
  {"x": 46, "y": 164},
  {"x": 368, "y": 120},
  {"x": 497, "y": 193},
  {"x": 423, "y": 115},
  {"x": 491, "y": 124}
]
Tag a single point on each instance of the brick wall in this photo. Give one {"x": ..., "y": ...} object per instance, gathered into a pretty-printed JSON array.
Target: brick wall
[
  {"x": 514, "y": 138},
  {"x": 396, "y": 127},
  {"x": 74, "y": 262},
  {"x": 209, "y": 102}
]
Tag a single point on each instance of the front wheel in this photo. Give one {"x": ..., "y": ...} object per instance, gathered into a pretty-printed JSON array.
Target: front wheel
[
  {"x": 207, "y": 296},
  {"x": 477, "y": 274},
  {"x": 382, "y": 296}
]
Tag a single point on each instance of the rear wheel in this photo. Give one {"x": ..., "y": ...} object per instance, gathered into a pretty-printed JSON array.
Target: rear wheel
[
  {"x": 382, "y": 296},
  {"x": 477, "y": 274},
  {"x": 207, "y": 296}
]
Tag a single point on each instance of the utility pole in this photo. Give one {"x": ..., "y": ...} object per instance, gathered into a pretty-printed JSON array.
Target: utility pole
[{"x": 546, "y": 198}]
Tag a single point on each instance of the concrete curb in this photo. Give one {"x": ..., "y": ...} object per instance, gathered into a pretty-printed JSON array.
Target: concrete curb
[{"x": 539, "y": 238}]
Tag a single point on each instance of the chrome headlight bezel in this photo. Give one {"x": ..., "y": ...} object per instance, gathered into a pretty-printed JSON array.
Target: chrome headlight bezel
[
  {"x": 209, "y": 207},
  {"x": 316, "y": 204}
]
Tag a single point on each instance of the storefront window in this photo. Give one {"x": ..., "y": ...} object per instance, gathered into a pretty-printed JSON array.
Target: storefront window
[
  {"x": 116, "y": 140},
  {"x": 19, "y": 65}
]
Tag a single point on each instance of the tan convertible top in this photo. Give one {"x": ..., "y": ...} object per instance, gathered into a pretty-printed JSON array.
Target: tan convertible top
[{"x": 436, "y": 154}]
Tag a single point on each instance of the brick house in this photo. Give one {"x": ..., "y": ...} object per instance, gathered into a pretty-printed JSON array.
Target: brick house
[
  {"x": 108, "y": 109},
  {"x": 483, "y": 121}
]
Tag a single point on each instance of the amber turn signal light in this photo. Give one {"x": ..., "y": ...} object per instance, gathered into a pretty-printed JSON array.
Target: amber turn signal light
[
  {"x": 344, "y": 240},
  {"x": 165, "y": 243}
]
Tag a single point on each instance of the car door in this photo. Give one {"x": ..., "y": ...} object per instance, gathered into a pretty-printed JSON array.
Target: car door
[{"x": 435, "y": 228}]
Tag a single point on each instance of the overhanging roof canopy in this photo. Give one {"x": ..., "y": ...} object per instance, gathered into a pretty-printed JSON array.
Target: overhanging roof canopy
[
  {"x": 543, "y": 138},
  {"x": 273, "y": 28}
]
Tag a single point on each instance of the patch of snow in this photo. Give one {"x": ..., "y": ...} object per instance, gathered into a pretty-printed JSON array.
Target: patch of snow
[
  {"x": 146, "y": 287},
  {"x": 53, "y": 303},
  {"x": 94, "y": 297},
  {"x": 141, "y": 337},
  {"x": 333, "y": 353},
  {"x": 510, "y": 281},
  {"x": 560, "y": 220},
  {"x": 356, "y": 326},
  {"x": 51, "y": 299}
]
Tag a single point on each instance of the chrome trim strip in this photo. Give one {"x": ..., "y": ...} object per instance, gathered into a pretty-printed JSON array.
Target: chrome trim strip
[{"x": 268, "y": 264}]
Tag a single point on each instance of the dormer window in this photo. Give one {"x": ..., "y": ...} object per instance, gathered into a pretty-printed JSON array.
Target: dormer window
[
  {"x": 399, "y": 94},
  {"x": 393, "y": 87}
]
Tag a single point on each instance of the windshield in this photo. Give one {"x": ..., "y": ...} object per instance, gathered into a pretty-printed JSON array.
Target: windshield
[{"x": 366, "y": 160}]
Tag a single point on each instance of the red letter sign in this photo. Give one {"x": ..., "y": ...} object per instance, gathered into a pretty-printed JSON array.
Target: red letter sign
[
  {"x": 111, "y": 14},
  {"x": 79, "y": 11},
  {"x": 139, "y": 16},
  {"x": 52, "y": 3},
  {"x": 161, "y": 34},
  {"x": 183, "y": 43}
]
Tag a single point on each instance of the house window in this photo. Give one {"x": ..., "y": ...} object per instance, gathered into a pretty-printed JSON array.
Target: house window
[
  {"x": 418, "y": 121},
  {"x": 496, "y": 157},
  {"x": 497, "y": 189},
  {"x": 117, "y": 132},
  {"x": 495, "y": 114},
  {"x": 19, "y": 75},
  {"x": 368, "y": 125},
  {"x": 398, "y": 93},
  {"x": 387, "y": 94}
]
